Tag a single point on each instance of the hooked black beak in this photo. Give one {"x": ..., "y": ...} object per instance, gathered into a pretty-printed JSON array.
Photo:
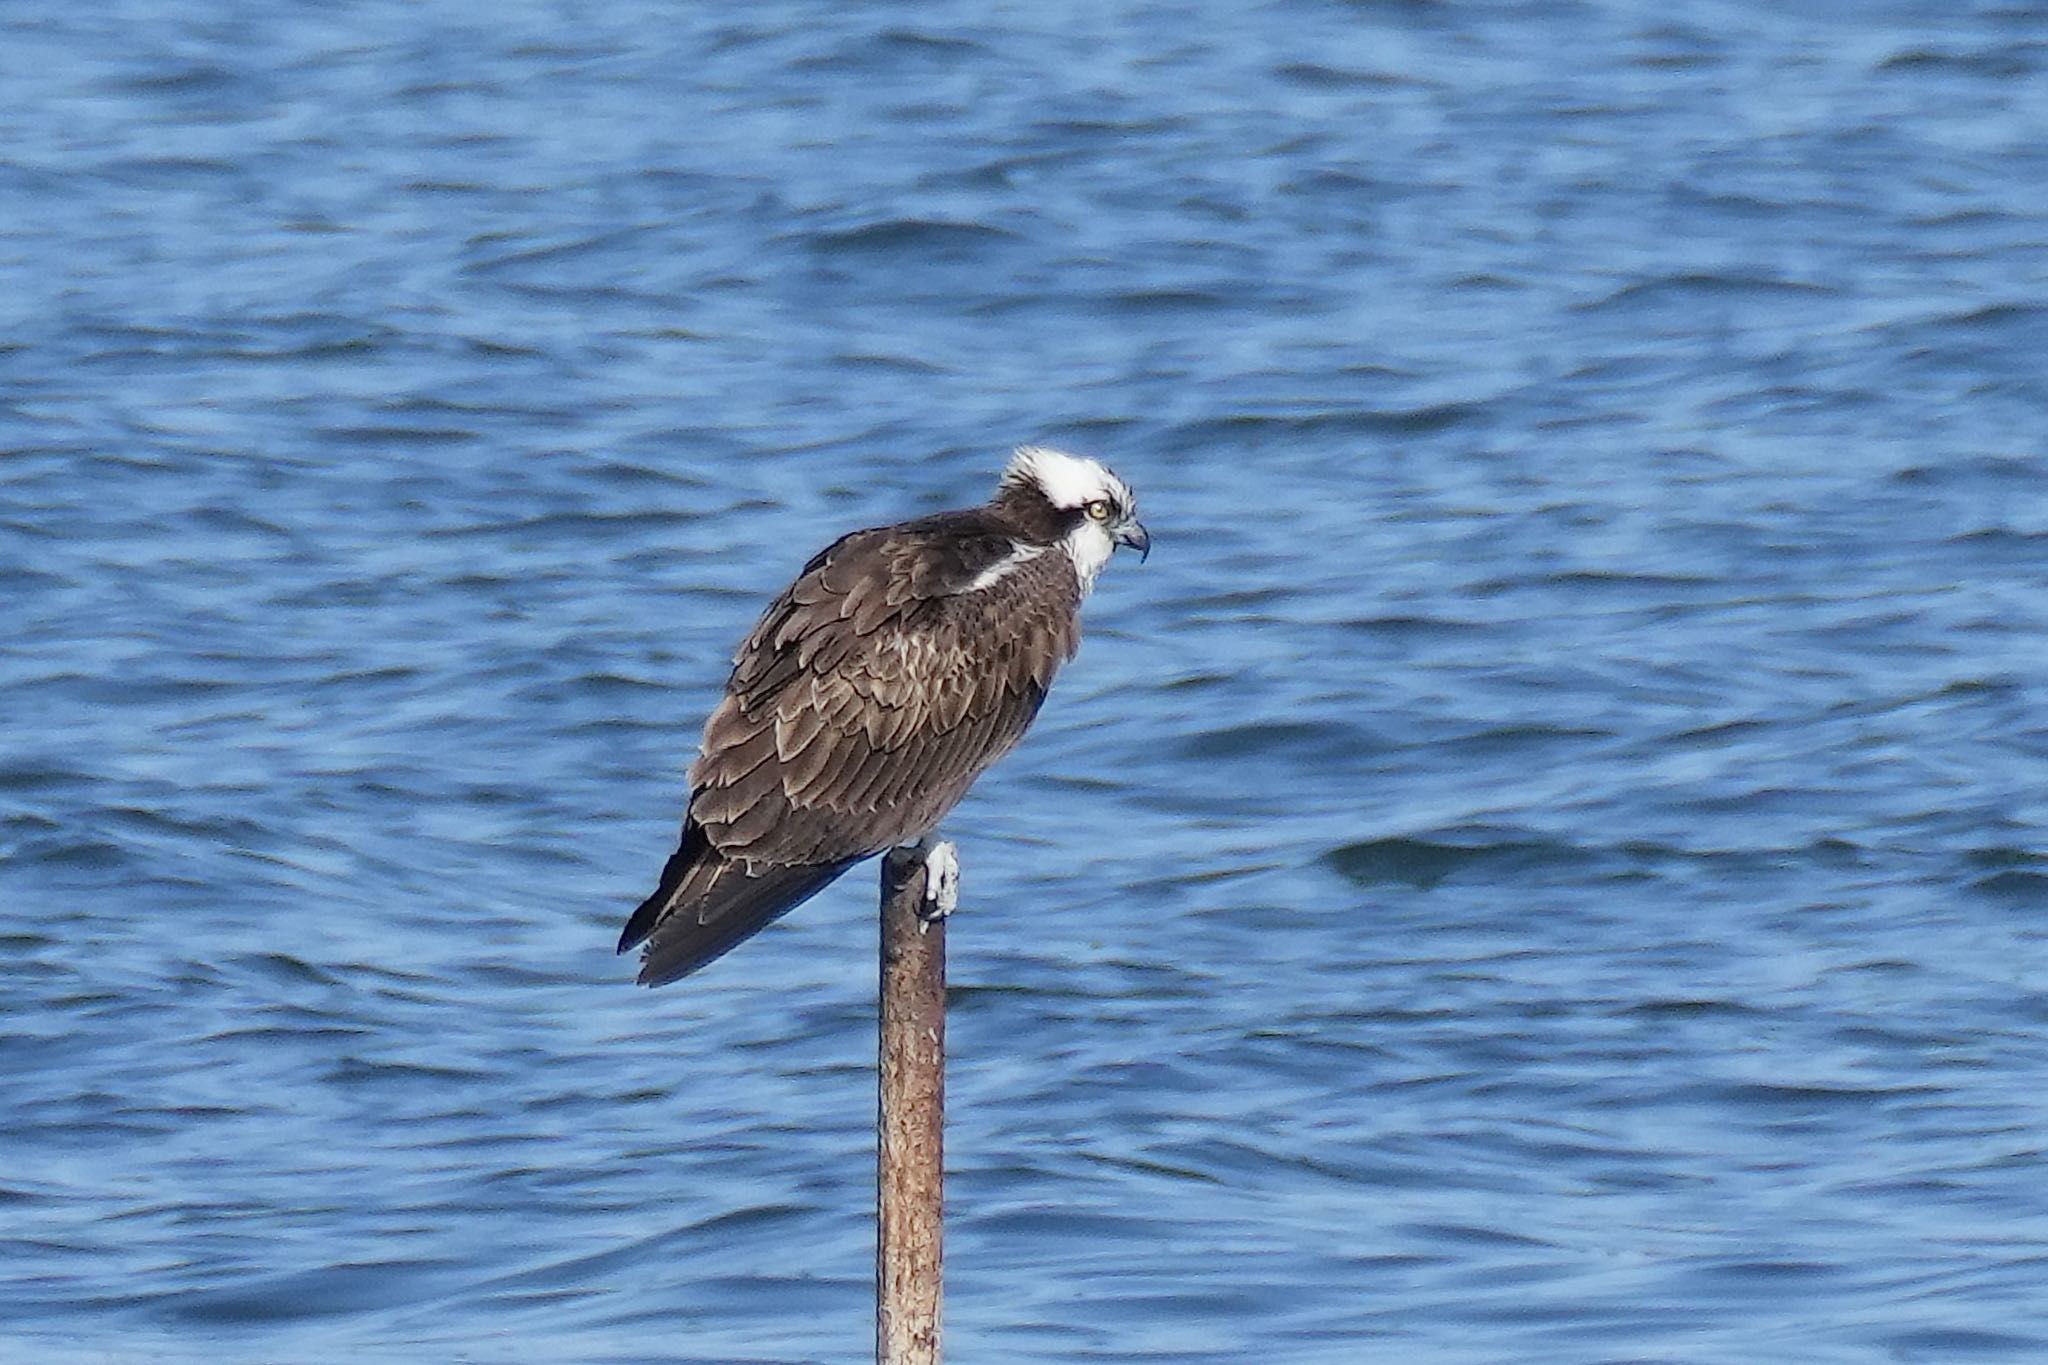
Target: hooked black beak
[{"x": 1133, "y": 534}]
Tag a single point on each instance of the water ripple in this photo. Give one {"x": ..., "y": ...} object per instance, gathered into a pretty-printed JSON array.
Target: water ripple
[{"x": 1572, "y": 766}]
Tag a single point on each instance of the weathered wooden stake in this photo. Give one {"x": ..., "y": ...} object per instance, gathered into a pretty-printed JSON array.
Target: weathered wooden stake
[{"x": 911, "y": 1124}]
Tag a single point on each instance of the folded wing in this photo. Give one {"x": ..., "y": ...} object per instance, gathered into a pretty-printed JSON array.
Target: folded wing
[{"x": 899, "y": 665}]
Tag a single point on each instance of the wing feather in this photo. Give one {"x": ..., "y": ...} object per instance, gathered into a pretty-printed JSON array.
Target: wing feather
[
  {"x": 741, "y": 835},
  {"x": 890, "y": 726},
  {"x": 796, "y": 728}
]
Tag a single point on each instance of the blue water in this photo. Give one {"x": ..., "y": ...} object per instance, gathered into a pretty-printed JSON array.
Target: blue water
[{"x": 1547, "y": 863}]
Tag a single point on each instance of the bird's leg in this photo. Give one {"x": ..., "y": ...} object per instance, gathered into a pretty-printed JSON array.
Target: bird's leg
[{"x": 941, "y": 879}]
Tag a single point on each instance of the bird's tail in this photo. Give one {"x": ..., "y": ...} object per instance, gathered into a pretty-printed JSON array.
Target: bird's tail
[{"x": 708, "y": 904}]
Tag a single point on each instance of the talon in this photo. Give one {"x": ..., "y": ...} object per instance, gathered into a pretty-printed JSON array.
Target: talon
[{"x": 941, "y": 881}]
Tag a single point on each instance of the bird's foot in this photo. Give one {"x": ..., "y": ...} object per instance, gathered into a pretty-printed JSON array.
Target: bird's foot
[{"x": 941, "y": 881}]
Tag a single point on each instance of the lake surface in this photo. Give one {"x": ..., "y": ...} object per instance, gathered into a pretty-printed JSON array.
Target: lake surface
[{"x": 1547, "y": 863}]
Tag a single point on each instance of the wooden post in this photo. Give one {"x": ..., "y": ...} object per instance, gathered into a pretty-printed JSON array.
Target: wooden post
[{"x": 911, "y": 1124}]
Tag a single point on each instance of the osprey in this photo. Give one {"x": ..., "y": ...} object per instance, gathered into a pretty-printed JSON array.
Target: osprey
[{"x": 901, "y": 662}]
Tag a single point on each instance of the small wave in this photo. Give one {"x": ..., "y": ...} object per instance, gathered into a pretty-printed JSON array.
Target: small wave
[
  {"x": 2007, "y": 321},
  {"x": 285, "y": 969},
  {"x": 157, "y": 170},
  {"x": 1470, "y": 1234},
  {"x": 2030, "y": 888},
  {"x": 1423, "y": 863},
  {"x": 909, "y": 236},
  {"x": 324, "y": 1292},
  {"x": 1317, "y": 76},
  {"x": 1237, "y": 599},
  {"x": 1994, "y": 63},
  {"x": 2000, "y": 537},
  {"x": 1964, "y": 472},
  {"x": 1774, "y": 1273},
  {"x": 1405, "y": 627},
  {"x": 1693, "y": 286},
  {"x": 188, "y": 80},
  {"x": 2000, "y": 857},
  {"x": 875, "y": 361},
  {"x": 1155, "y": 301},
  {"x": 1957, "y": 1343},
  {"x": 1515, "y": 739},
  {"x": 1418, "y": 421},
  {"x": 398, "y": 436},
  {"x": 357, "y": 1071},
  {"x": 32, "y": 776},
  {"x": 571, "y": 522},
  {"x": 97, "y": 855},
  {"x": 1300, "y": 738},
  {"x": 1785, "y": 1095},
  {"x": 553, "y": 253},
  {"x": 913, "y": 40},
  {"x": 604, "y": 682},
  {"x": 1687, "y": 1009},
  {"x": 901, "y": 48}
]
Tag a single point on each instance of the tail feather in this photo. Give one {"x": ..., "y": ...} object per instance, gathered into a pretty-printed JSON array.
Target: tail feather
[
  {"x": 649, "y": 912},
  {"x": 708, "y": 904}
]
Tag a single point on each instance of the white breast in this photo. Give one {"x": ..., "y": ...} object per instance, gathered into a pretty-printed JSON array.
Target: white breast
[{"x": 1089, "y": 545}]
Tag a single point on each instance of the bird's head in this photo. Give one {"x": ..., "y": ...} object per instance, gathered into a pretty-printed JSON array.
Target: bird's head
[{"x": 1078, "y": 502}]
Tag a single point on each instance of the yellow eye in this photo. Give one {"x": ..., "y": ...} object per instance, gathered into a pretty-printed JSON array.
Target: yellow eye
[{"x": 1100, "y": 509}]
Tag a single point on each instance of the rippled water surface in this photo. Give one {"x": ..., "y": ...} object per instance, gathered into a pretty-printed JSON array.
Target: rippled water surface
[{"x": 1546, "y": 863}]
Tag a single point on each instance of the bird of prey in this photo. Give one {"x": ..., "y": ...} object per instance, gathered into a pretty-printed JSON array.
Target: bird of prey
[{"x": 902, "y": 662}]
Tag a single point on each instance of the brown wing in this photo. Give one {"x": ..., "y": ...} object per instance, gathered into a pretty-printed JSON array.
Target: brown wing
[
  {"x": 875, "y": 690},
  {"x": 708, "y": 904}
]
